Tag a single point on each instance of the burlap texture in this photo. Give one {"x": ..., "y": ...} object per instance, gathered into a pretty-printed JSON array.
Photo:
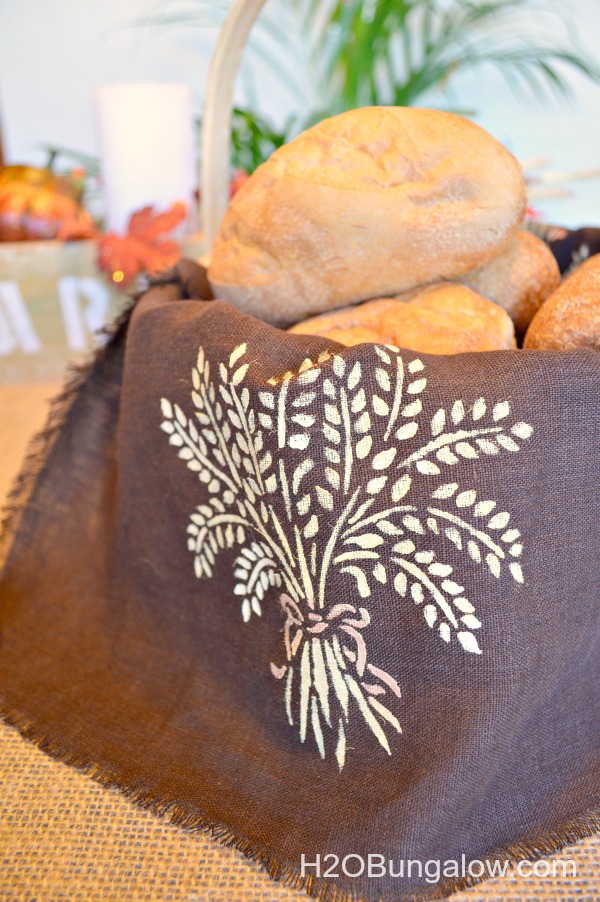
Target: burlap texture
[
  {"x": 64, "y": 838},
  {"x": 159, "y": 786}
]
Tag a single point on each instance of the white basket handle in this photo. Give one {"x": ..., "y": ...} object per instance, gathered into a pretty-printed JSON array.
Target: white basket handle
[{"x": 216, "y": 121}]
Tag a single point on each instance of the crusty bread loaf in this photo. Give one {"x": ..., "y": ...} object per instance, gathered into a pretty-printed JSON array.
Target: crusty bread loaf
[
  {"x": 520, "y": 279},
  {"x": 570, "y": 318},
  {"x": 369, "y": 203},
  {"x": 440, "y": 319}
]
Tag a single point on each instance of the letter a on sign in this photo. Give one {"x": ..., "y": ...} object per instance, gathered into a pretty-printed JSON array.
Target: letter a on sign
[{"x": 16, "y": 328}]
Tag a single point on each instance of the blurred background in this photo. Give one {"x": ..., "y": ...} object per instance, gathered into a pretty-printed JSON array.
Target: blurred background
[
  {"x": 53, "y": 55},
  {"x": 100, "y": 108}
]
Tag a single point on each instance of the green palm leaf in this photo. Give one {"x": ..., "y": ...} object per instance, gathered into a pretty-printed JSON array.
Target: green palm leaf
[{"x": 335, "y": 55}]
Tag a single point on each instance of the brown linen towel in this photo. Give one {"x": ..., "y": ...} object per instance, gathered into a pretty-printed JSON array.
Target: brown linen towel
[
  {"x": 571, "y": 247},
  {"x": 326, "y": 601}
]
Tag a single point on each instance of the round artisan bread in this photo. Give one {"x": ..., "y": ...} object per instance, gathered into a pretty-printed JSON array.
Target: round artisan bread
[
  {"x": 520, "y": 279},
  {"x": 368, "y": 203},
  {"x": 570, "y": 318},
  {"x": 445, "y": 318}
]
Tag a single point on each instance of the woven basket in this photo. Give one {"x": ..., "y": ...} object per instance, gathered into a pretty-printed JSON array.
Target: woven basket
[{"x": 216, "y": 121}]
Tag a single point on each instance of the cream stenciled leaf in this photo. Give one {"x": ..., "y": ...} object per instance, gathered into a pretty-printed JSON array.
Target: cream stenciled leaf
[
  {"x": 467, "y": 528},
  {"x": 237, "y": 352},
  {"x": 430, "y": 584},
  {"x": 332, "y": 475},
  {"x": 464, "y": 432},
  {"x": 255, "y": 571},
  {"x": 438, "y": 422}
]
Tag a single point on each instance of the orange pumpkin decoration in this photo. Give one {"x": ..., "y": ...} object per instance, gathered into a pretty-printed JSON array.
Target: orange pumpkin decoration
[{"x": 37, "y": 204}]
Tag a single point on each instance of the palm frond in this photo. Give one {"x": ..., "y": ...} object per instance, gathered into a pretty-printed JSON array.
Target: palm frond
[
  {"x": 422, "y": 44},
  {"x": 335, "y": 55}
]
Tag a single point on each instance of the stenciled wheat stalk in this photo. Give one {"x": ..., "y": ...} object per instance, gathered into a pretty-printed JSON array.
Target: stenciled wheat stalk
[{"x": 360, "y": 427}]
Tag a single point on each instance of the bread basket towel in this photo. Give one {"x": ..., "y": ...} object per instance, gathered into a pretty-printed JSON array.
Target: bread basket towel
[{"x": 322, "y": 601}]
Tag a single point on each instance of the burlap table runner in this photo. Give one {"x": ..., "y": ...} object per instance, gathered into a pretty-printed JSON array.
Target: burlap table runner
[{"x": 64, "y": 838}]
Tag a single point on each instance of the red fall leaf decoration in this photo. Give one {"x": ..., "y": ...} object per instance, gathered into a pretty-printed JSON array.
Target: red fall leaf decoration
[{"x": 144, "y": 247}]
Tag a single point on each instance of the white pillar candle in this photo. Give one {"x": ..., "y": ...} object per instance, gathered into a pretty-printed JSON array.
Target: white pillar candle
[{"x": 146, "y": 140}]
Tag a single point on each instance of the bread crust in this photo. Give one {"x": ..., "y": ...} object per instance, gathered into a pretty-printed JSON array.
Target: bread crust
[
  {"x": 445, "y": 318},
  {"x": 369, "y": 203},
  {"x": 570, "y": 318},
  {"x": 519, "y": 280}
]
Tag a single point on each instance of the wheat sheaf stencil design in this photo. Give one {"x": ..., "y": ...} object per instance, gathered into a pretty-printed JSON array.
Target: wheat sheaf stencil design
[{"x": 333, "y": 494}]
